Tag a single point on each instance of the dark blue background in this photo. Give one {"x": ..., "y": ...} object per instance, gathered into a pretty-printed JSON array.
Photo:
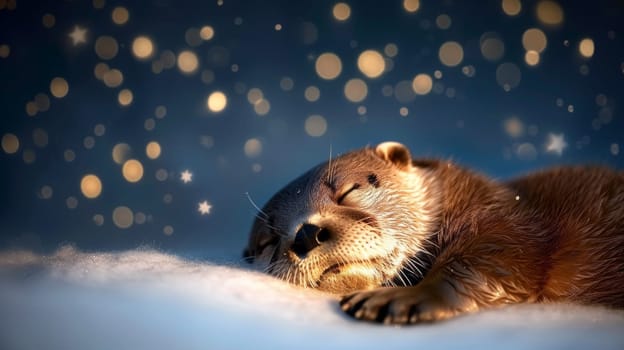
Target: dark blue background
[{"x": 467, "y": 127}]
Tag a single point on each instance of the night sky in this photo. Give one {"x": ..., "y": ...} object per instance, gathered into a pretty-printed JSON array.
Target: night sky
[{"x": 129, "y": 123}]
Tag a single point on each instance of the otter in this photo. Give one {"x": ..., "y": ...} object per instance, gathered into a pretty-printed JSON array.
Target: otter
[{"x": 421, "y": 240}]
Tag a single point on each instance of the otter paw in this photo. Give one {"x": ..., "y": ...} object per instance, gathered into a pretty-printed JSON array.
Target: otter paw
[{"x": 397, "y": 305}]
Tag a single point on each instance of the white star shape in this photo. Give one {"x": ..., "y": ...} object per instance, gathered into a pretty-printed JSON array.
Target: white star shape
[
  {"x": 204, "y": 208},
  {"x": 78, "y": 35},
  {"x": 186, "y": 176},
  {"x": 556, "y": 144}
]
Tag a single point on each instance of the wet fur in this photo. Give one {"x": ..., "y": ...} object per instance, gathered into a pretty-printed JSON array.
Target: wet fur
[{"x": 552, "y": 236}]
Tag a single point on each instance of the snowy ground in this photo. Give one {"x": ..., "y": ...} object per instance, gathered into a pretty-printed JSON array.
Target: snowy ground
[{"x": 145, "y": 299}]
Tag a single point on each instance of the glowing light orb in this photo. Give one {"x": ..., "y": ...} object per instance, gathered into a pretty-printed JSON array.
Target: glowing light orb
[
  {"x": 125, "y": 97},
  {"x": 123, "y": 217},
  {"x": 120, "y": 15},
  {"x": 411, "y": 5},
  {"x": 91, "y": 186},
  {"x": 142, "y": 47},
  {"x": 534, "y": 39},
  {"x": 422, "y": 84},
  {"x": 216, "y": 102},
  {"x": 371, "y": 63},
  {"x": 355, "y": 90},
  {"x": 132, "y": 170},
  {"x": 328, "y": 66},
  {"x": 152, "y": 150},
  {"x": 253, "y": 148},
  {"x": 59, "y": 87},
  {"x": 586, "y": 48},
  {"x": 549, "y": 12},
  {"x": 121, "y": 152},
  {"x": 315, "y": 125},
  {"x": 312, "y": 93},
  {"x": 451, "y": 53},
  {"x": 106, "y": 47},
  {"x": 511, "y": 7},
  {"x": 10, "y": 143},
  {"x": 341, "y": 11},
  {"x": 206, "y": 33},
  {"x": 188, "y": 62}
]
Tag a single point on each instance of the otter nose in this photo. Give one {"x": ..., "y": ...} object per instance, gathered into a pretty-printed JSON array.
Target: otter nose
[{"x": 307, "y": 238}]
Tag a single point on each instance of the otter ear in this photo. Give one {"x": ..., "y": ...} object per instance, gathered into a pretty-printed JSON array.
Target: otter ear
[{"x": 396, "y": 153}]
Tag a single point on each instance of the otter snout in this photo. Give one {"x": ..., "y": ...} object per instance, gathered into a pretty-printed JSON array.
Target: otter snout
[{"x": 308, "y": 237}]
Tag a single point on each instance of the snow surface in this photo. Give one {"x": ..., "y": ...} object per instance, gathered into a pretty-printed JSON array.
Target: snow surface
[{"x": 145, "y": 299}]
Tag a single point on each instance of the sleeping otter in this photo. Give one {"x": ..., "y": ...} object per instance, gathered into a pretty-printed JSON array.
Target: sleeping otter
[{"x": 415, "y": 241}]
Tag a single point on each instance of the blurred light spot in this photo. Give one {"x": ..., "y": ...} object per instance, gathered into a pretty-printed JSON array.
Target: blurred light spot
[
  {"x": 123, "y": 217},
  {"x": 532, "y": 58},
  {"x": 59, "y": 87},
  {"x": 262, "y": 107},
  {"x": 89, "y": 142},
  {"x": 71, "y": 202},
  {"x": 149, "y": 124},
  {"x": 121, "y": 152},
  {"x": 120, "y": 15},
  {"x": 69, "y": 155},
  {"x": 315, "y": 125},
  {"x": 355, "y": 90},
  {"x": 404, "y": 92},
  {"x": 526, "y": 151},
  {"x": 48, "y": 20},
  {"x": 125, "y": 97},
  {"x": 411, "y": 5},
  {"x": 31, "y": 108},
  {"x": 508, "y": 76},
  {"x": 443, "y": 21},
  {"x": 312, "y": 93},
  {"x": 216, "y": 102},
  {"x": 10, "y": 143},
  {"x": 514, "y": 127},
  {"x": 98, "y": 219},
  {"x": 422, "y": 84},
  {"x": 192, "y": 37},
  {"x": 341, "y": 11},
  {"x": 391, "y": 50},
  {"x": 5, "y": 51},
  {"x": 615, "y": 149},
  {"x": 549, "y": 12},
  {"x": 91, "y": 186},
  {"x": 206, "y": 33},
  {"x": 152, "y": 150},
  {"x": 142, "y": 47},
  {"x": 287, "y": 84},
  {"x": 132, "y": 170},
  {"x": 113, "y": 78},
  {"x": 46, "y": 192},
  {"x": 40, "y": 137},
  {"x": 162, "y": 175},
  {"x": 160, "y": 112},
  {"x": 188, "y": 62},
  {"x": 371, "y": 63},
  {"x": 254, "y": 95},
  {"x": 168, "y": 230},
  {"x": 492, "y": 47},
  {"x": 451, "y": 53},
  {"x": 100, "y": 69},
  {"x": 99, "y": 130},
  {"x": 511, "y": 7},
  {"x": 328, "y": 66},
  {"x": 534, "y": 39},
  {"x": 586, "y": 48},
  {"x": 403, "y": 111},
  {"x": 253, "y": 148},
  {"x": 106, "y": 47}
]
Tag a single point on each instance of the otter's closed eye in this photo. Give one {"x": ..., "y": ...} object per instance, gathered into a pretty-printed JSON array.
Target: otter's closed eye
[{"x": 344, "y": 194}]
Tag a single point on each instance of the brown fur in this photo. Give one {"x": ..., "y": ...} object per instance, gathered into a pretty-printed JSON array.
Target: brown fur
[{"x": 552, "y": 236}]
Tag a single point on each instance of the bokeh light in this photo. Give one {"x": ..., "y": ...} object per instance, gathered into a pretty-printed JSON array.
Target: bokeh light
[
  {"x": 422, "y": 84},
  {"x": 142, "y": 48},
  {"x": 10, "y": 143},
  {"x": 106, "y": 47},
  {"x": 125, "y": 97},
  {"x": 411, "y": 5},
  {"x": 132, "y": 170},
  {"x": 91, "y": 186},
  {"x": 371, "y": 63},
  {"x": 216, "y": 102},
  {"x": 586, "y": 48},
  {"x": 315, "y": 125},
  {"x": 355, "y": 90},
  {"x": 534, "y": 39},
  {"x": 188, "y": 63},
  {"x": 123, "y": 217},
  {"x": 328, "y": 66},
  {"x": 59, "y": 87},
  {"x": 341, "y": 11},
  {"x": 451, "y": 53},
  {"x": 152, "y": 150},
  {"x": 511, "y": 7},
  {"x": 549, "y": 12}
]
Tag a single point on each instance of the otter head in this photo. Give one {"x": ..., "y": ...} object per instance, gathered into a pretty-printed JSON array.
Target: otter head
[{"x": 355, "y": 222}]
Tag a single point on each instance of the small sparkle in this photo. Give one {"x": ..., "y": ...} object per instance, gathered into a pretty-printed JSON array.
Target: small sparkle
[
  {"x": 556, "y": 144},
  {"x": 204, "y": 208},
  {"x": 186, "y": 176},
  {"x": 78, "y": 35}
]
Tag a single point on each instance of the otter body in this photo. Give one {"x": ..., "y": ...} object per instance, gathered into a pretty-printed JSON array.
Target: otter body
[{"x": 413, "y": 241}]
